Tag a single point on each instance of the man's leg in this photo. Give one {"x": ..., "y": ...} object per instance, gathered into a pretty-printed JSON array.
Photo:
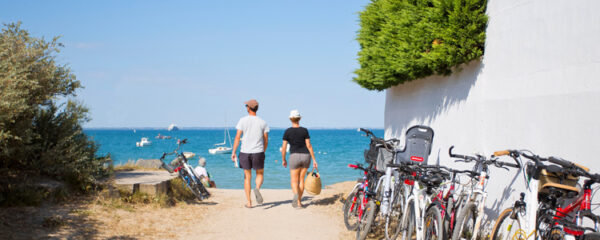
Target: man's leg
[
  {"x": 259, "y": 178},
  {"x": 248, "y": 185},
  {"x": 302, "y": 173}
]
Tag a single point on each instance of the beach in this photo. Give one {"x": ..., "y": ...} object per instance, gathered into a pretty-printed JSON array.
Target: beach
[{"x": 222, "y": 216}]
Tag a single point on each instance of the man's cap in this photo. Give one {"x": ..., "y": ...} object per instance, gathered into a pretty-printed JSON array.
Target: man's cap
[
  {"x": 201, "y": 161},
  {"x": 252, "y": 103},
  {"x": 295, "y": 114}
]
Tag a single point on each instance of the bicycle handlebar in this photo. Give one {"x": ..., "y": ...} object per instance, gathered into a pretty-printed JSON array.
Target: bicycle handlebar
[{"x": 466, "y": 158}]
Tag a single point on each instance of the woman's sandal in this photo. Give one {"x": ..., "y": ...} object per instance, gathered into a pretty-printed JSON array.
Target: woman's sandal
[{"x": 295, "y": 201}]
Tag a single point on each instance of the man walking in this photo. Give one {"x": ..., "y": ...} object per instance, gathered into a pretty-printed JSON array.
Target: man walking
[{"x": 252, "y": 152}]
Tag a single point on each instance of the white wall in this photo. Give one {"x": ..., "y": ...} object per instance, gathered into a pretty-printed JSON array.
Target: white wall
[{"x": 537, "y": 87}]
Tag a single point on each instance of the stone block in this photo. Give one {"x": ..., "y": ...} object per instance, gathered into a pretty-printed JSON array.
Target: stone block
[{"x": 149, "y": 163}]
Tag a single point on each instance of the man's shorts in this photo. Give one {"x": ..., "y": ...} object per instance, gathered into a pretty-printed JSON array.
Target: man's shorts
[{"x": 254, "y": 161}]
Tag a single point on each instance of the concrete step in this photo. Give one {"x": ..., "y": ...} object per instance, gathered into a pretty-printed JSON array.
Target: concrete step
[{"x": 149, "y": 182}]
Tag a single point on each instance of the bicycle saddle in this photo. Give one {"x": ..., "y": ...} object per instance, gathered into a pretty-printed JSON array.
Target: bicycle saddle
[{"x": 431, "y": 179}]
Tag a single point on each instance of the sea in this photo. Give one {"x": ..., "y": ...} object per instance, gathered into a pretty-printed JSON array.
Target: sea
[{"x": 334, "y": 150}]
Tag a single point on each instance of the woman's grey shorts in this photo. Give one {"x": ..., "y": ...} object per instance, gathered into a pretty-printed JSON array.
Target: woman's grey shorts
[{"x": 299, "y": 160}]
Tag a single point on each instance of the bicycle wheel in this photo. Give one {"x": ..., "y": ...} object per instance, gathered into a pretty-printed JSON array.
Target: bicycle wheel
[
  {"x": 591, "y": 236},
  {"x": 507, "y": 228},
  {"x": 351, "y": 209},
  {"x": 465, "y": 223},
  {"x": 191, "y": 184},
  {"x": 365, "y": 223},
  {"x": 394, "y": 217},
  {"x": 407, "y": 229},
  {"x": 434, "y": 227}
]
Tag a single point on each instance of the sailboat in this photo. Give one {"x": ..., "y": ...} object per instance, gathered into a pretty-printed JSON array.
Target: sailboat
[{"x": 221, "y": 148}]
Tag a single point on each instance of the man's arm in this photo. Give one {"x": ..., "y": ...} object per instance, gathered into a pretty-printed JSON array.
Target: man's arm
[
  {"x": 265, "y": 141},
  {"x": 236, "y": 143}
]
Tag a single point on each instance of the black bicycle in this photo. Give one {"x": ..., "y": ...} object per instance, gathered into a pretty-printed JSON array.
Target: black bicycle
[{"x": 186, "y": 173}]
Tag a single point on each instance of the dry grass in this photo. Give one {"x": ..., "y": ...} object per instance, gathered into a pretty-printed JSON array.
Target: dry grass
[
  {"x": 101, "y": 216},
  {"x": 131, "y": 166}
]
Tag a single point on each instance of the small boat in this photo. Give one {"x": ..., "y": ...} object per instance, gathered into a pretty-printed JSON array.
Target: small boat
[
  {"x": 172, "y": 127},
  {"x": 220, "y": 149},
  {"x": 142, "y": 143},
  {"x": 162, "y": 137}
]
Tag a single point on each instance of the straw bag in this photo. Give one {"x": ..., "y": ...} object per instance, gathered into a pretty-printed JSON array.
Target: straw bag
[{"x": 312, "y": 185}]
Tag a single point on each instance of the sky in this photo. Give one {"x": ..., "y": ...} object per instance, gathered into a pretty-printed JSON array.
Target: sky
[{"x": 195, "y": 63}]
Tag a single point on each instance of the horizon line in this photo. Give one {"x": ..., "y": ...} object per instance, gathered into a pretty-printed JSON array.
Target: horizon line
[{"x": 210, "y": 128}]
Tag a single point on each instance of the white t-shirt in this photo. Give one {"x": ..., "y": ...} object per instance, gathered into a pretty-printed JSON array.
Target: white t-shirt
[
  {"x": 200, "y": 171},
  {"x": 253, "y": 129}
]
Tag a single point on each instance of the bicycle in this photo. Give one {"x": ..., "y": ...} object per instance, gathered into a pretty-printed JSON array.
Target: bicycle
[
  {"x": 421, "y": 218},
  {"x": 554, "y": 183},
  {"x": 372, "y": 156},
  {"x": 471, "y": 214},
  {"x": 366, "y": 209},
  {"x": 185, "y": 171}
]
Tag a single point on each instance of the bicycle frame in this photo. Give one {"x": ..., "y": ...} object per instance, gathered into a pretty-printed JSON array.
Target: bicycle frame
[
  {"x": 478, "y": 195},
  {"x": 582, "y": 204},
  {"x": 422, "y": 201}
]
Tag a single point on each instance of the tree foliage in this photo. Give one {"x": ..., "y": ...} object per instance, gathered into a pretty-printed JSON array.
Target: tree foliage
[
  {"x": 37, "y": 134},
  {"x": 404, "y": 40}
]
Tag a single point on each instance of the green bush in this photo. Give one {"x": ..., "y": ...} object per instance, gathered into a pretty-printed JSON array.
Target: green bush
[
  {"x": 38, "y": 135},
  {"x": 404, "y": 40}
]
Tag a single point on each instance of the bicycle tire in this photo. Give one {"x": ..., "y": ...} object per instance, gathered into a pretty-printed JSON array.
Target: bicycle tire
[
  {"x": 502, "y": 232},
  {"x": 434, "y": 226},
  {"x": 191, "y": 184},
  {"x": 200, "y": 187},
  {"x": 448, "y": 224},
  {"x": 350, "y": 211},
  {"x": 407, "y": 224},
  {"x": 394, "y": 217},
  {"x": 466, "y": 214},
  {"x": 591, "y": 236},
  {"x": 364, "y": 226}
]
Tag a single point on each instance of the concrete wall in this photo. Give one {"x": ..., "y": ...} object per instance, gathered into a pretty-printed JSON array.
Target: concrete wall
[{"x": 536, "y": 88}]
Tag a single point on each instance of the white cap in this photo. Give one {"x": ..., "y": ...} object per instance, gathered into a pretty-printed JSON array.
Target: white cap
[
  {"x": 295, "y": 114},
  {"x": 201, "y": 161}
]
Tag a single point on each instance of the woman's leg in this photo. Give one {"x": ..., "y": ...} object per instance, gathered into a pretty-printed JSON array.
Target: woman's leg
[
  {"x": 302, "y": 174},
  {"x": 294, "y": 179}
]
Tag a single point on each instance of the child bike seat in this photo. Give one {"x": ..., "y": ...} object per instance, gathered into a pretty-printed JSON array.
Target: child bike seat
[{"x": 417, "y": 145}]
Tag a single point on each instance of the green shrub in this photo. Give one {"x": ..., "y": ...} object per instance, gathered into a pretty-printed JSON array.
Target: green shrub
[
  {"x": 38, "y": 135},
  {"x": 404, "y": 40}
]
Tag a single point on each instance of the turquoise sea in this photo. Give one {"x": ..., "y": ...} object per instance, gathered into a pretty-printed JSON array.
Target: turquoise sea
[{"x": 334, "y": 150}]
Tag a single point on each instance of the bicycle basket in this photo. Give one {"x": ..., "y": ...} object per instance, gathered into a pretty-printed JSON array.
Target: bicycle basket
[
  {"x": 372, "y": 153},
  {"x": 418, "y": 145},
  {"x": 567, "y": 183},
  {"x": 384, "y": 157}
]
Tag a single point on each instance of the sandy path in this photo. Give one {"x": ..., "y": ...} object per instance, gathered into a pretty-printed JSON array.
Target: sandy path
[
  {"x": 274, "y": 219},
  {"x": 223, "y": 216}
]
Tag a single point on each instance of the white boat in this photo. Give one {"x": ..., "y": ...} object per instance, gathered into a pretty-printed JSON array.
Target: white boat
[
  {"x": 220, "y": 149},
  {"x": 172, "y": 127},
  {"x": 142, "y": 143}
]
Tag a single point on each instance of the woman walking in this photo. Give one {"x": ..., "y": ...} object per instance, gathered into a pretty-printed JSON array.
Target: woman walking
[{"x": 301, "y": 152}]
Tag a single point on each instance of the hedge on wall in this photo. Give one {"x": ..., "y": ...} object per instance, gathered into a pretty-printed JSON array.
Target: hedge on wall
[{"x": 404, "y": 40}]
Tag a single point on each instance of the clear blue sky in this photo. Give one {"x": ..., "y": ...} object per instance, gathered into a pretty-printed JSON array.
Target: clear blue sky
[{"x": 152, "y": 63}]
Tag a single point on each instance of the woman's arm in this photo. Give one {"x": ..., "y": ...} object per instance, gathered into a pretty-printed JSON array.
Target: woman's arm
[
  {"x": 283, "y": 152},
  {"x": 312, "y": 153}
]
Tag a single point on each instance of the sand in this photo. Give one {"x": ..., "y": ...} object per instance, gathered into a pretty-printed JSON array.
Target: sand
[{"x": 223, "y": 216}]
